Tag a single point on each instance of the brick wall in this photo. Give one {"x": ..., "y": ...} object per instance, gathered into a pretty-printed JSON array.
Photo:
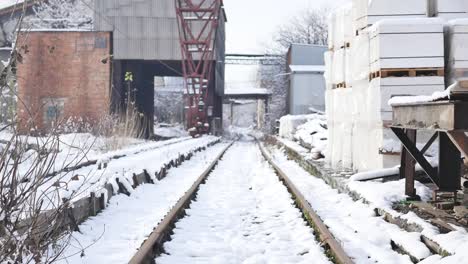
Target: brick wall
[{"x": 62, "y": 75}]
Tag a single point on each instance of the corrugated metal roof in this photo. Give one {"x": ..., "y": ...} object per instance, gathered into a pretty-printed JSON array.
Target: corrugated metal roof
[{"x": 144, "y": 29}]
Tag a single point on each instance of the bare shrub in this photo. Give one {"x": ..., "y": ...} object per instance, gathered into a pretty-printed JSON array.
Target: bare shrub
[
  {"x": 35, "y": 222},
  {"x": 120, "y": 128}
]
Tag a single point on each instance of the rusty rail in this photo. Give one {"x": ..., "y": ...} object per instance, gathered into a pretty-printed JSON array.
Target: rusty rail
[
  {"x": 325, "y": 236},
  {"x": 152, "y": 246}
]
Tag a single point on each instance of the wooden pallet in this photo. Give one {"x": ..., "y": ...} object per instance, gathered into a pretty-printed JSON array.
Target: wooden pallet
[
  {"x": 347, "y": 45},
  {"x": 461, "y": 73},
  {"x": 407, "y": 72},
  {"x": 340, "y": 85}
]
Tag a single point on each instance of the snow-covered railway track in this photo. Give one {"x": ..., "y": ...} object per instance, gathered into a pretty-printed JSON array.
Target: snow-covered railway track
[
  {"x": 242, "y": 214},
  {"x": 366, "y": 236},
  {"x": 117, "y": 232}
]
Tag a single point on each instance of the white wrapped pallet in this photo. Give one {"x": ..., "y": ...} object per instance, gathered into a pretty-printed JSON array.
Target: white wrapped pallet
[
  {"x": 452, "y": 9},
  {"x": 343, "y": 27},
  {"x": 328, "y": 74},
  {"x": 342, "y": 129},
  {"x": 360, "y": 57},
  {"x": 457, "y": 51},
  {"x": 368, "y": 12},
  {"x": 404, "y": 86},
  {"x": 407, "y": 43},
  {"x": 330, "y": 123},
  {"x": 359, "y": 99},
  {"x": 331, "y": 31},
  {"x": 289, "y": 124},
  {"x": 339, "y": 66}
]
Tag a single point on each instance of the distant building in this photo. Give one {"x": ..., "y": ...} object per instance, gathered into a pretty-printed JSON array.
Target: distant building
[
  {"x": 75, "y": 73},
  {"x": 306, "y": 91}
]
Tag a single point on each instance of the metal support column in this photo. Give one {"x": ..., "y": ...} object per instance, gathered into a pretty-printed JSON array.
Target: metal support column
[
  {"x": 408, "y": 166},
  {"x": 449, "y": 165}
]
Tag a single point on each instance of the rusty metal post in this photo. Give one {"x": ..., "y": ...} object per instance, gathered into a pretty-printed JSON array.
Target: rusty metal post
[
  {"x": 408, "y": 166},
  {"x": 449, "y": 165}
]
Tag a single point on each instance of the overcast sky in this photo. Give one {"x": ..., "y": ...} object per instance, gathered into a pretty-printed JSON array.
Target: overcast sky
[{"x": 251, "y": 23}]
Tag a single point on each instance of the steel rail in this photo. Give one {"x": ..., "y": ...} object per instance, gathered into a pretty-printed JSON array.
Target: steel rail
[
  {"x": 325, "y": 236},
  {"x": 153, "y": 245}
]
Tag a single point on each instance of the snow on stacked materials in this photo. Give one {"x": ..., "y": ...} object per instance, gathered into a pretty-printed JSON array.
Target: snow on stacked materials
[
  {"x": 289, "y": 124},
  {"x": 452, "y": 9},
  {"x": 311, "y": 131},
  {"x": 407, "y": 44},
  {"x": 368, "y": 12},
  {"x": 394, "y": 57},
  {"x": 314, "y": 135}
]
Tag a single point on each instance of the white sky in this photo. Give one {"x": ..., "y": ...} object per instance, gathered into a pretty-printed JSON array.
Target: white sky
[{"x": 251, "y": 23}]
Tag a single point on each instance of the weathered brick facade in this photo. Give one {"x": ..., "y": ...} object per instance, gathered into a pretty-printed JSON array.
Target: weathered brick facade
[{"x": 63, "y": 75}]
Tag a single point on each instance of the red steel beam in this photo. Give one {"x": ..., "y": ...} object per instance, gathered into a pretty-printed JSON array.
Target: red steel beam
[{"x": 198, "y": 21}]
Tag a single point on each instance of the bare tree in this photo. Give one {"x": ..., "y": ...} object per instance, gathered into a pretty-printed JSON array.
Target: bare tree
[
  {"x": 60, "y": 14},
  {"x": 35, "y": 223},
  {"x": 310, "y": 27}
]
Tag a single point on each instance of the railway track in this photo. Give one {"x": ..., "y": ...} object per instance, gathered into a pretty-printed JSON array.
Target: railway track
[
  {"x": 366, "y": 234},
  {"x": 242, "y": 212}
]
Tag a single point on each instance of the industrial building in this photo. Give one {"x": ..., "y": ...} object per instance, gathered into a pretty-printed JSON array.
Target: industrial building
[
  {"x": 307, "y": 85},
  {"x": 142, "y": 38}
]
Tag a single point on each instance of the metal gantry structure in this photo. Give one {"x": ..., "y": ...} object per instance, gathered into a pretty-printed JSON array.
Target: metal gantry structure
[{"x": 198, "y": 21}]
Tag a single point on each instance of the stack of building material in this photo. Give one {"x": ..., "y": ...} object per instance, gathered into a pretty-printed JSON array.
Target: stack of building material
[
  {"x": 407, "y": 47},
  {"x": 394, "y": 57},
  {"x": 338, "y": 80},
  {"x": 457, "y": 54},
  {"x": 368, "y": 12},
  {"x": 451, "y": 9}
]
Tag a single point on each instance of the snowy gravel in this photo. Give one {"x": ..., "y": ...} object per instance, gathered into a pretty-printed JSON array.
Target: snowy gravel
[
  {"x": 115, "y": 235},
  {"x": 365, "y": 237},
  {"x": 243, "y": 214}
]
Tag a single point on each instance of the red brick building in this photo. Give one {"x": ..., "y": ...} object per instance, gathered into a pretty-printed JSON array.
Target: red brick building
[{"x": 63, "y": 74}]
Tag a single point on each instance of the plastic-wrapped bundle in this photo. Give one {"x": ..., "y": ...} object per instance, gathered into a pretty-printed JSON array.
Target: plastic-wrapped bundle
[
  {"x": 405, "y": 86},
  {"x": 339, "y": 65},
  {"x": 407, "y": 43},
  {"x": 331, "y": 31},
  {"x": 452, "y": 9},
  {"x": 342, "y": 152},
  {"x": 289, "y": 124},
  {"x": 328, "y": 75},
  {"x": 359, "y": 119},
  {"x": 368, "y": 12},
  {"x": 457, "y": 51},
  {"x": 343, "y": 27},
  {"x": 360, "y": 56},
  {"x": 330, "y": 124}
]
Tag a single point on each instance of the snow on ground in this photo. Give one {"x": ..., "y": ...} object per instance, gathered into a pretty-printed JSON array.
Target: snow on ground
[
  {"x": 115, "y": 235},
  {"x": 170, "y": 131},
  {"x": 91, "y": 179},
  {"x": 365, "y": 237},
  {"x": 309, "y": 130},
  {"x": 8, "y": 3},
  {"x": 243, "y": 214},
  {"x": 384, "y": 195},
  {"x": 76, "y": 148}
]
